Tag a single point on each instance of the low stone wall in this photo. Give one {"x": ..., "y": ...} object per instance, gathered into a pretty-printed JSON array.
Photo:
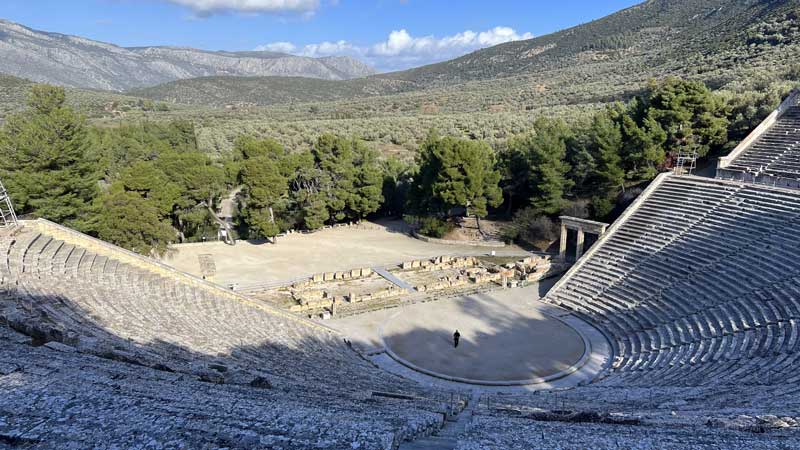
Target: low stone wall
[
  {"x": 308, "y": 300},
  {"x": 446, "y": 283},
  {"x": 440, "y": 263},
  {"x": 317, "y": 278},
  {"x": 488, "y": 244},
  {"x": 383, "y": 293}
]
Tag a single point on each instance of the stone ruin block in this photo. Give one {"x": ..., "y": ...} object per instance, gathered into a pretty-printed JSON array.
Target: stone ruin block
[
  {"x": 355, "y": 273},
  {"x": 318, "y": 278},
  {"x": 417, "y": 263},
  {"x": 366, "y": 271},
  {"x": 328, "y": 276},
  {"x": 319, "y": 294},
  {"x": 507, "y": 273},
  {"x": 352, "y": 297}
]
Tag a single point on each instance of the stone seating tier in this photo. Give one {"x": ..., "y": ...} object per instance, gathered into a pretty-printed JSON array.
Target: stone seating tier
[
  {"x": 699, "y": 277},
  {"x": 67, "y": 296}
]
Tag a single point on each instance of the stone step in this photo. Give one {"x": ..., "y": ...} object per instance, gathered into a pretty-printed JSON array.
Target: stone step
[{"x": 431, "y": 443}]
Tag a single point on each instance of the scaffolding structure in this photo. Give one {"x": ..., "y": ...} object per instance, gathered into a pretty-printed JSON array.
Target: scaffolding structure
[
  {"x": 9, "y": 217},
  {"x": 686, "y": 162}
]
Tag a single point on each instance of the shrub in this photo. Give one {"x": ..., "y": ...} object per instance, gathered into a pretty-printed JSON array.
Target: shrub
[
  {"x": 529, "y": 227},
  {"x": 602, "y": 207},
  {"x": 434, "y": 227}
]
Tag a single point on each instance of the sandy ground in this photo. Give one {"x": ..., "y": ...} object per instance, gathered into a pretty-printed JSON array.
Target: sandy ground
[
  {"x": 504, "y": 336},
  {"x": 329, "y": 250}
]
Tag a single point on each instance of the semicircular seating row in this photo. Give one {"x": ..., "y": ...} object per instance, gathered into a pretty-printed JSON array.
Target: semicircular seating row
[
  {"x": 700, "y": 285},
  {"x": 777, "y": 151},
  {"x": 99, "y": 306},
  {"x": 60, "y": 399}
]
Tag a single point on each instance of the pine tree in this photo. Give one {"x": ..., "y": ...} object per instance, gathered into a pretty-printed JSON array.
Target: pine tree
[
  {"x": 693, "y": 118},
  {"x": 127, "y": 219},
  {"x": 606, "y": 141},
  {"x": 546, "y": 152},
  {"x": 264, "y": 186},
  {"x": 44, "y": 159},
  {"x": 265, "y": 179},
  {"x": 643, "y": 147},
  {"x": 458, "y": 173},
  {"x": 367, "y": 182}
]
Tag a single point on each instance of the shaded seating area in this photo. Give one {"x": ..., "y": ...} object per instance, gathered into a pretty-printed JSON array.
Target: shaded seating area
[{"x": 154, "y": 350}]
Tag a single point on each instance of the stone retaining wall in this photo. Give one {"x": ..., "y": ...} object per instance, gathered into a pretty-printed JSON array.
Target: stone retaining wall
[{"x": 489, "y": 244}]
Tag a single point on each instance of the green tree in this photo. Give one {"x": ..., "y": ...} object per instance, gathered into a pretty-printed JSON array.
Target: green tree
[
  {"x": 643, "y": 147},
  {"x": 44, "y": 158},
  {"x": 368, "y": 182},
  {"x": 264, "y": 187},
  {"x": 545, "y": 150},
  {"x": 514, "y": 177},
  {"x": 264, "y": 173},
  {"x": 333, "y": 157},
  {"x": 127, "y": 219},
  {"x": 315, "y": 213},
  {"x": 397, "y": 176},
  {"x": 693, "y": 118},
  {"x": 606, "y": 142},
  {"x": 457, "y": 173}
]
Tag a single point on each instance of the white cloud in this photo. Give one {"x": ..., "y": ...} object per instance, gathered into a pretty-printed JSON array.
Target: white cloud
[
  {"x": 280, "y": 47},
  {"x": 330, "y": 49},
  {"x": 206, "y": 7},
  {"x": 401, "y": 50}
]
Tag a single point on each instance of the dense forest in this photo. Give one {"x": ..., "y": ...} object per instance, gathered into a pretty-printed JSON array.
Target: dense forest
[{"x": 145, "y": 184}]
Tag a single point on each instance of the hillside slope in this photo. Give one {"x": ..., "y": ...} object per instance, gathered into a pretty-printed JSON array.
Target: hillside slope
[
  {"x": 78, "y": 62},
  {"x": 261, "y": 91},
  {"x": 717, "y": 41},
  {"x": 661, "y": 30}
]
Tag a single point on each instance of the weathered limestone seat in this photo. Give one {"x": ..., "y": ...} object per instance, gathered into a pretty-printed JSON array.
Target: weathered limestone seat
[
  {"x": 700, "y": 276},
  {"x": 106, "y": 310}
]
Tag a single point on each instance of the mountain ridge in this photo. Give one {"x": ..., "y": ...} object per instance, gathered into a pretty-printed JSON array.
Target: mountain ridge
[
  {"x": 75, "y": 61},
  {"x": 714, "y": 41}
]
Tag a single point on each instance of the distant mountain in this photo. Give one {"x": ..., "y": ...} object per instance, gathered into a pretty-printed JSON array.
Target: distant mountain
[
  {"x": 716, "y": 41},
  {"x": 79, "y": 62}
]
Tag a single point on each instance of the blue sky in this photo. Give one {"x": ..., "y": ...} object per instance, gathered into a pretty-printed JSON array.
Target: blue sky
[{"x": 389, "y": 34}]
